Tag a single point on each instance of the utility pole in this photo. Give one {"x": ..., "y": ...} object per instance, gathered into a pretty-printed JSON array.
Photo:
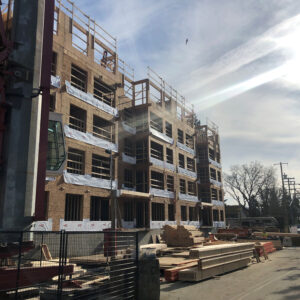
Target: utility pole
[{"x": 284, "y": 202}]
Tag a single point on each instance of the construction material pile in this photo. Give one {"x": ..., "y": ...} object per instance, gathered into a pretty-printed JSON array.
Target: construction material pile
[
  {"x": 182, "y": 235},
  {"x": 263, "y": 248},
  {"x": 214, "y": 260}
]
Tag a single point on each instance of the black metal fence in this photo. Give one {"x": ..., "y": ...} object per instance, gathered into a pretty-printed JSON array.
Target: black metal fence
[{"x": 68, "y": 265}]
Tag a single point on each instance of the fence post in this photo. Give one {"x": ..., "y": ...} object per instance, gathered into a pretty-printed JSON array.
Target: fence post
[
  {"x": 137, "y": 264},
  {"x": 60, "y": 266},
  {"x": 19, "y": 263},
  {"x": 41, "y": 254}
]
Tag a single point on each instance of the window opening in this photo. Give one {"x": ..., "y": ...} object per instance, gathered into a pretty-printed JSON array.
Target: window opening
[
  {"x": 182, "y": 186},
  {"x": 104, "y": 93},
  {"x": 101, "y": 166},
  {"x": 77, "y": 118},
  {"x": 78, "y": 78},
  {"x": 170, "y": 183},
  {"x": 181, "y": 160},
  {"x": 158, "y": 211},
  {"x": 168, "y": 129},
  {"x": 103, "y": 129},
  {"x": 183, "y": 213},
  {"x": 156, "y": 122},
  {"x": 128, "y": 211},
  {"x": 128, "y": 178},
  {"x": 54, "y": 63},
  {"x": 157, "y": 151},
  {"x": 157, "y": 180},
  {"x": 191, "y": 188},
  {"x": 171, "y": 212},
  {"x": 75, "y": 162},
  {"x": 169, "y": 156},
  {"x": 73, "y": 207},
  {"x": 141, "y": 151},
  {"x": 180, "y": 136},
  {"x": 190, "y": 164},
  {"x": 99, "y": 209}
]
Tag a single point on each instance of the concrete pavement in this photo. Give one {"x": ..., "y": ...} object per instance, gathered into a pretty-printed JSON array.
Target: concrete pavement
[{"x": 277, "y": 278}]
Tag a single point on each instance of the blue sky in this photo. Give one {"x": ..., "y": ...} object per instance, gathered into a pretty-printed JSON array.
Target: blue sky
[{"x": 240, "y": 67}]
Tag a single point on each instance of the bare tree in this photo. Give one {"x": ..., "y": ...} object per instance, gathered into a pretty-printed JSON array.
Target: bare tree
[{"x": 246, "y": 182}]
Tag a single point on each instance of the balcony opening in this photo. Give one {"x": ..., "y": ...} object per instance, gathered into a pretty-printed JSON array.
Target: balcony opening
[
  {"x": 142, "y": 181},
  {"x": 54, "y": 63},
  {"x": 190, "y": 164},
  {"x": 214, "y": 194},
  {"x": 103, "y": 92},
  {"x": 128, "y": 147},
  {"x": 213, "y": 174},
  {"x": 128, "y": 211},
  {"x": 171, "y": 212},
  {"x": 128, "y": 178},
  {"x": 75, "y": 161},
  {"x": 202, "y": 154},
  {"x": 141, "y": 151},
  {"x": 170, "y": 183},
  {"x": 157, "y": 180},
  {"x": 79, "y": 38},
  {"x": 203, "y": 174},
  {"x": 142, "y": 122},
  {"x": 182, "y": 186},
  {"x": 156, "y": 122},
  {"x": 169, "y": 129},
  {"x": 183, "y": 213},
  {"x": 155, "y": 94},
  {"x": 189, "y": 141},
  {"x": 73, "y": 207},
  {"x": 222, "y": 215},
  {"x": 169, "y": 156},
  {"x": 77, "y": 118},
  {"x": 99, "y": 209},
  {"x": 78, "y": 78},
  {"x": 181, "y": 160},
  {"x": 191, "y": 188},
  {"x": 206, "y": 216},
  {"x": 101, "y": 167},
  {"x": 205, "y": 195},
  {"x": 215, "y": 215},
  {"x": 128, "y": 117},
  {"x": 157, "y": 151},
  {"x": 180, "y": 136},
  {"x": 103, "y": 129},
  {"x": 193, "y": 215}
]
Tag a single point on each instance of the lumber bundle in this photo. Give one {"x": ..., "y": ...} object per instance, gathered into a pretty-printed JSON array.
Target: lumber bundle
[
  {"x": 264, "y": 248},
  {"x": 182, "y": 235},
  {"x": 215, "y": 260}
]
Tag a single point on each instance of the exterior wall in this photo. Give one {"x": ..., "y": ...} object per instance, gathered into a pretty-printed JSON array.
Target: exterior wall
[
  {"x": 171, "y": 108},
  {"x": 57, "y": 188}
]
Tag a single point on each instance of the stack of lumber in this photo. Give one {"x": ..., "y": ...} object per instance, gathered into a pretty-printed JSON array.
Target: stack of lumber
[
  {"x": 182, "y": 235},
  {"x": 215, "y": 260},
  {"x": 266, "y": 247},
  {"x": 276, "y": 243}
]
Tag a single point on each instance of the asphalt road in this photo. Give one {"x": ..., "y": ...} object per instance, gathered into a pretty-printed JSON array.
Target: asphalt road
[{"x": 277, "y": 278}]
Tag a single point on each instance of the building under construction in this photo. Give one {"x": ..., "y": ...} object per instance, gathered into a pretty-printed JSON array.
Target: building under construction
[{"x": 128, "y": 153}]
